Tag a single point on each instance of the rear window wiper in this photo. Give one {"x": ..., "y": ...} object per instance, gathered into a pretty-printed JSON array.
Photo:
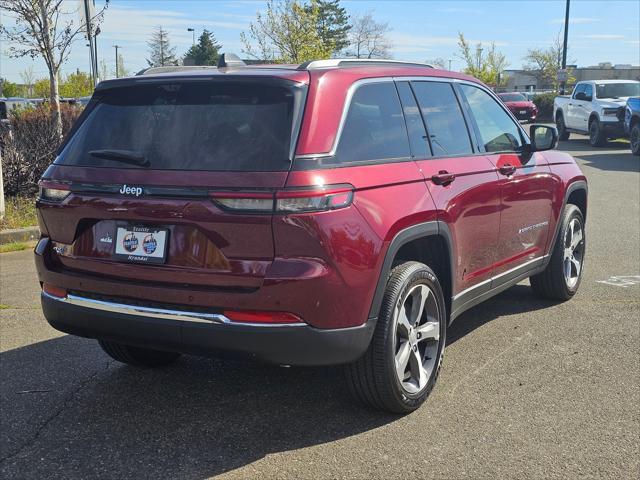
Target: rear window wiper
[{"x": 124, "y": 156}]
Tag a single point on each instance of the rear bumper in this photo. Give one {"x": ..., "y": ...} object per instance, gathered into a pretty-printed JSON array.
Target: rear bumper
[{"x": 206, "y": 334}]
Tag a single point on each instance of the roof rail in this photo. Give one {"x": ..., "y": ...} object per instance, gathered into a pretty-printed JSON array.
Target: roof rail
[
  {"x": 355, "y": 62},
  {"x": 173, "y": 68}
]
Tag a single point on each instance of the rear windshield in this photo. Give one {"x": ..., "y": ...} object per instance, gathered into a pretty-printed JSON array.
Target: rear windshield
[
  {"x": 512, "y": 97},
  {"x": 220, "y": 126}
]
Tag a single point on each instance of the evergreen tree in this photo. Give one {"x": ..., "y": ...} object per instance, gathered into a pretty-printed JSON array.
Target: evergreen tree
[
  {"x": 161, "y": 52},
  {"x": 205, "y": 52},
  {"x": 332, "y": 23}
]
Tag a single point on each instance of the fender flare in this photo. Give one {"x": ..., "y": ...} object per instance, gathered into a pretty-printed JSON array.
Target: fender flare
[
  {"x": 572, "y": 187},
  {"x": 436, "y": 228}
]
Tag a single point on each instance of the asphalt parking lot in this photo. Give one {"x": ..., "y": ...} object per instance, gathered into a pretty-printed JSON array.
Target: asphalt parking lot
[{"x": 529, "y": 388}]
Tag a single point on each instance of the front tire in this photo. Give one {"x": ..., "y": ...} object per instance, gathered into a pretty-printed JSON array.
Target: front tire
[
  {"x": 401, "y": 366},
  {"x": 137, "y": 356},
  {"x": 563, "y": 134},
  {"x": 634, "y": 139},
  {"x": 597, "y": 138},
  {"x": 561, "y": 278}
]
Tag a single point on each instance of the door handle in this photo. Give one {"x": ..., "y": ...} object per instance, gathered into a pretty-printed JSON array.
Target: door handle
[
  {"x": 507, "y": 169},
  {"x": 443, "y": 178}
]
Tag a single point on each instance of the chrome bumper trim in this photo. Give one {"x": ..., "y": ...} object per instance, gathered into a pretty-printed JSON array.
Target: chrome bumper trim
[{"x": 167, "y": 314}]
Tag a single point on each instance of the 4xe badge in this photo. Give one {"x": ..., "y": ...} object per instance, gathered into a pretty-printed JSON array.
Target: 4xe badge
[{"x": 127, "y": 190}]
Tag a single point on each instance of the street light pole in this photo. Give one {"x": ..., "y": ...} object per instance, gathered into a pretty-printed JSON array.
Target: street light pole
[
  {"x": 479, "y": 54},
  {"x": 449, "y": 65},
  {"x": 193, "y": 33},
  {"x": 564, "y": 46},
  {"x": 117, "y": 72}
]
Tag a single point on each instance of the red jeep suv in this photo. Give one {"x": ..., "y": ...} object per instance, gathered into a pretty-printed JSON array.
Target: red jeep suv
[{"x": 334, "y": 212}]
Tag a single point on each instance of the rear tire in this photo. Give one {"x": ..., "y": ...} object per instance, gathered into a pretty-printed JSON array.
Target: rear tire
[
  {"x": 137, "y": 356},
  {"x": 561, "y": 278},
  {"x": 401, "y": 365},
  {"x": 597, "y": 138},
  {"x": 634, "y": 139},
  {"x": 563, "y": 134}
]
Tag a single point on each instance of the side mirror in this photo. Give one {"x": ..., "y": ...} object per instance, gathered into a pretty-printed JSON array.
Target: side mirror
[
  {"x": 581, "y": 96},
  {"x": 543, "y": 138}
]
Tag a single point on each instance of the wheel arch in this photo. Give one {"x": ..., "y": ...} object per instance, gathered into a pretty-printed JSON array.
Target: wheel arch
[
  {"x": 429, "y": 243},
  {"x": 592, "y": 117},
  {"x": 576, "y": 191}
]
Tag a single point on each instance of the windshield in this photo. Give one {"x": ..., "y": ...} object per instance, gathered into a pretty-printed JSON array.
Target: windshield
[
  {"x": 617, "y": 90},
  {"x": 513, "y": 97},
  {"x": 220, "y": 126}
]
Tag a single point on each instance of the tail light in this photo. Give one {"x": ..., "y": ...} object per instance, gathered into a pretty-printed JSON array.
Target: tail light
[
  {"x": 53, "y": 191},
  {"x": 315, "y": 199},
  {"x": 240, "y": 316}
]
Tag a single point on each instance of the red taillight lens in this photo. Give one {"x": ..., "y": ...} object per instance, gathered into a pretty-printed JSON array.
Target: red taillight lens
[
  {"x": 259, "y": 202},
  {"x": 240, "y": 316},
  {"x": 54, "y": 291},
  {"x": 53, "y": 191},
  {"x": 317, "y": 199},
  {"x": 298, "y": 201}
]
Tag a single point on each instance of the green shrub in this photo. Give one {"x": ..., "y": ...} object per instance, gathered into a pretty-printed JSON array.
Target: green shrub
[
  {"x": 19, "y": 212},
  {"x": 544, "y": 102},
  {"x": 29, "y": 144}
]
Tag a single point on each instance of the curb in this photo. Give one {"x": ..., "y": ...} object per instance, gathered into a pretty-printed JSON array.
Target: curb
[{"x": 19, "y": 235}]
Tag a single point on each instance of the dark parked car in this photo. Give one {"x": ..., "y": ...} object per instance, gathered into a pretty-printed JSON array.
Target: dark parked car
[
  {"x": 632, "y": 123},
  {"x": 521, "y": 106},
  {"x": 335, "y": 212}
]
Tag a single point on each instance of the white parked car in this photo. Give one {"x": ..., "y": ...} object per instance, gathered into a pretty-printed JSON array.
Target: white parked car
[{"x": 593, "y": 109}]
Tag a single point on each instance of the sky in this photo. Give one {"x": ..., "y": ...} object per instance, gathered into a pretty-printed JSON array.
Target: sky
[{"x": 600, "y": 30}]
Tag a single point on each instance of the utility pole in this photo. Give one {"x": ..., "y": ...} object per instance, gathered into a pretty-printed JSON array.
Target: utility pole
[
  {"x": 564, "y": 46},
  {"x": 117, "y": 72},
  {"x": 193, "y": 34},
  {"x": 449, "y": 65},
  {"x": 95, "y": 49},
  {"x": 87, "y": 16}
]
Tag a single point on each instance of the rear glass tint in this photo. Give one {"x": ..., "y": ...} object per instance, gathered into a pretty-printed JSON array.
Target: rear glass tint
[{"x": 215, "y": 126}]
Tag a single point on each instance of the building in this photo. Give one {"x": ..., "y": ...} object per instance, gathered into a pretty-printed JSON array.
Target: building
[{"x": 529, "y": 80}]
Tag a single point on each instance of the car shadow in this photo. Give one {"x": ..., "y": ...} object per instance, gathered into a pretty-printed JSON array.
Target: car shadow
[
  {"x": 617, "y": 159},
  {"x": 69, "y": 409},
  {"x": 516, "y": 300}
]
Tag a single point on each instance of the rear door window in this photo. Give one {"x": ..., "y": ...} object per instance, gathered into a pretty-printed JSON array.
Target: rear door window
[
  {"x": 413, "y": 119},
  {"x": 374, "y": 128},
  {"x": 218, "y": 126},
  {"x": 446, "y": 127}
]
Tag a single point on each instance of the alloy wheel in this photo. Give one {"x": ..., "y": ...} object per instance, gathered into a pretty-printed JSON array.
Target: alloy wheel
[
  {"x": 573, "y": 252},
  {"x": 417, "y": 321}
]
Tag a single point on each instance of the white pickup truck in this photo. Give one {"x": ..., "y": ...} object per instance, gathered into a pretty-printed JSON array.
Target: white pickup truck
[{"x": 593, "y": 109}]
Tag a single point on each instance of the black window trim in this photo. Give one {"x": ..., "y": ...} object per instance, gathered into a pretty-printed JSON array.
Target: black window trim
[{"x": 314, "y": 161}]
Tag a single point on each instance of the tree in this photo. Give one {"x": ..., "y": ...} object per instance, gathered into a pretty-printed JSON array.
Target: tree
[
  {"x": 27, "y": 76},
  {"x": 9, "y": 89},
  {"x": 77, "y": 85},
  {"x": 161, "y": 52},
  {"x": 43, "y": 29},
  {"x": 41, "y": 88},
  {"x": 332, "y": 23},
  {"x": 286, "y": 33},
  {"x": 487, "y": 67},
  {"x": 368, "y": 38},
  {"x": 437, "y": 62},
  {"x": 122, "y": 70},
  {"x": 544, "y": 63},
  {"x": 205, "y": 52}
]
